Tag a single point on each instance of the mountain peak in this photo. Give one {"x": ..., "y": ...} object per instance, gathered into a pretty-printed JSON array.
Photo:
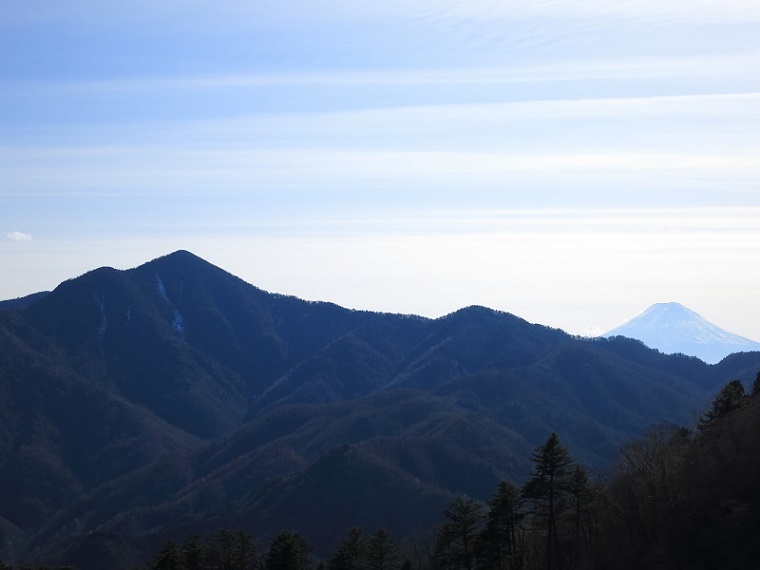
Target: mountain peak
[
  {"x": 181, "y": 256},
  {"x": 672, "y": 328},
  {"x": 669, "y": 305},
  {"x": 181, "y": 264}
]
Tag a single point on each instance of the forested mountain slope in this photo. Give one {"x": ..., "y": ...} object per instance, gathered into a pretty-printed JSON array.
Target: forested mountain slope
[{"x": 176, "y": 398}]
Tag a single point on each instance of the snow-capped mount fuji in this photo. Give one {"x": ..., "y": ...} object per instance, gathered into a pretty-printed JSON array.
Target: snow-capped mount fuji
[{"x": 672, "y": 328}]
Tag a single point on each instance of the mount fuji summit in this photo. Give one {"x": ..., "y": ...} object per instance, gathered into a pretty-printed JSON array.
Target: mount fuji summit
[{"x": 672, "y": 328}]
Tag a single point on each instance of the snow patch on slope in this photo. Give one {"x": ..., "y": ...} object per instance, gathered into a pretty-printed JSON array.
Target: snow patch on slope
[
  {"x": 161, "y": 288},
  {"x": 178, "y": 322},
  {"x": 103, "y": 327}
]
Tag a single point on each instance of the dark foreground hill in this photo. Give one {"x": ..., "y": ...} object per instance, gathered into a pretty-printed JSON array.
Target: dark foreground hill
[{"x": 175, "y": 398}]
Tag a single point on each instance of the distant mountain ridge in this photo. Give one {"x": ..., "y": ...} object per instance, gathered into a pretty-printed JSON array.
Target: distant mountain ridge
[
  {"x": 21, "y": 302},
  {"x": 174, "y": 399},
  {"x": 672, "y": 328}
]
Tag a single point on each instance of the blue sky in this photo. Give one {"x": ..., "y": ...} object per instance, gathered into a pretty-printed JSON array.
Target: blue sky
[{"x": 570, "y": 162}]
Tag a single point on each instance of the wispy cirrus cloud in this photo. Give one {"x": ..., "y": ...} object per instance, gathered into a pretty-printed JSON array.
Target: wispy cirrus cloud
[
  {"x": 625, "y": 68},
  {"x": 674, "y": 140},
  {"x": 712, "y": 10},
  {"x": 233, "y": 10}
]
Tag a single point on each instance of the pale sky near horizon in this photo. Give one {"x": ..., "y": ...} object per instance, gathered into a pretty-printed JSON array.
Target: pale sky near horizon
[{"x": 571, "y": 162}]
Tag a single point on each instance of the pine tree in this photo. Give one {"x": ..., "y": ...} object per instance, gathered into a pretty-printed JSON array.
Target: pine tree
[
  {"x": 288, "y": 551},
  {"x": 499, "y": 540},
  {"x": 221, "y": 549},
  {"x": 170, "y": 558},
  {"x": 731, "y": 397},
  {"x": 244, "y": 552},
  {"x": 382, "y": 552},
  {"x": 351, "y": 553},
  {"x": 548, "y": 489},
  {"x": 458, "y": 538},
  {"x": 194, "y": 553}
]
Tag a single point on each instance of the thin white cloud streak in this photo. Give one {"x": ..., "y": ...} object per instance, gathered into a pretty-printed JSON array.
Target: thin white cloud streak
[
  {"x": 662, "y": 123},
  {"x": 147, "y": 170},
  {"x": 706, "y": 124},
  {"x": 631, "y": 68},
  {"x": 721, "y": 105},
  {"x": 718, "y": 225},
  {"x": 236, "y": 13},
  {"x": 709, "y": 122},
  {"x": 704, "y": 220},
  {"x": 682, "y": 10}
]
